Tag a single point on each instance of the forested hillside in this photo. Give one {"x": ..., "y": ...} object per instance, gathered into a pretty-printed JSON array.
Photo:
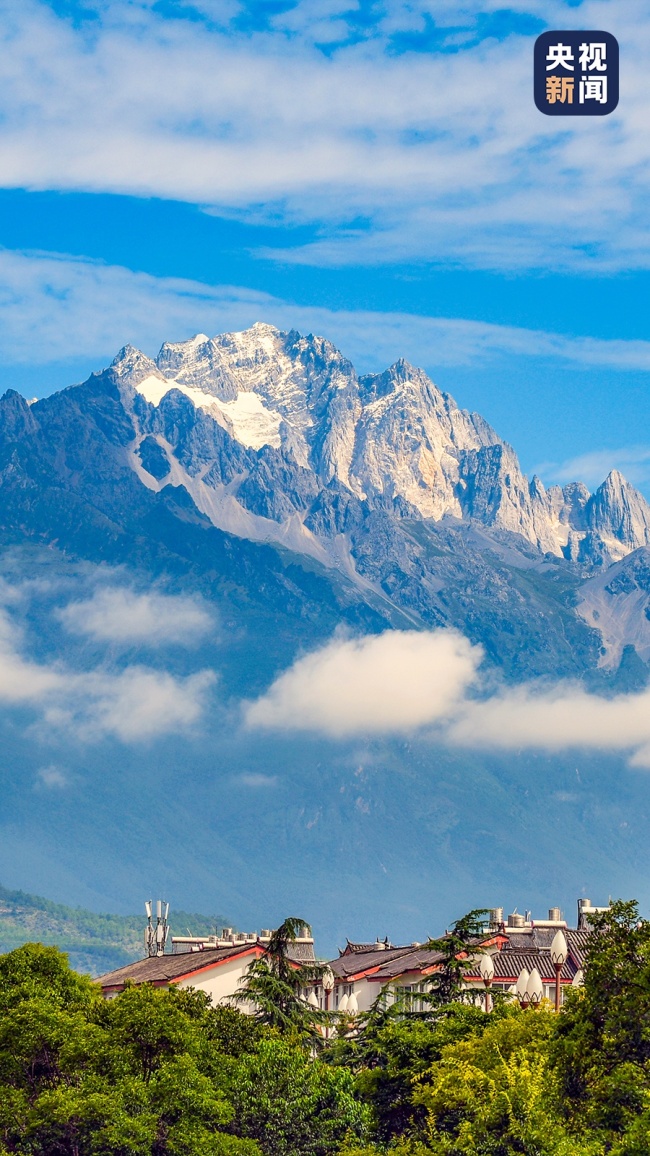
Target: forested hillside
[{"x": 94, "y": 943}]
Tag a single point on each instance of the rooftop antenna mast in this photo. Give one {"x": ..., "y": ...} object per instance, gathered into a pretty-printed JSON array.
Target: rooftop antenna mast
[{"x": 155, "y": 937}]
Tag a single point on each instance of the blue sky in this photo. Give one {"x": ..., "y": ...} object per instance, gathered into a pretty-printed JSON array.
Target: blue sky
[{"x": 374, "y": 171}]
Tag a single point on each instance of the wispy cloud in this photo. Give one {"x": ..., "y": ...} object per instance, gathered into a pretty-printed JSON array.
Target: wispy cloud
[
  {"x": 312, "y": 115},
  {"x": 557, "y": 718},
  {"x": 255, "y": 780},
  {"x": 407, "y": 682},
  {"x": 119, "y": 615},
  {"x": 52, "y": 778},
  {"x": 134, "y": 704},
  {"x": 54, "y": 305},
  {"x": 632, "y": 461}
]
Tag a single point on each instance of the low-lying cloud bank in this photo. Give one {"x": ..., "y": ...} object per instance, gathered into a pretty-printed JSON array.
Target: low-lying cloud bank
[
  {"x": 405, "y": 681},
  {"x": 122, "y": 616},
  {"x": 392, "y": 682},
  {"x": 133, "y": 704}
]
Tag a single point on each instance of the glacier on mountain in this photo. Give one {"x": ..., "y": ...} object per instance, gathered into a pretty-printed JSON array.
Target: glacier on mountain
[
  {"x": 270, "y": 475},
  {"x": 302, "y": 502},
  {"x": 392, "y": 437}
]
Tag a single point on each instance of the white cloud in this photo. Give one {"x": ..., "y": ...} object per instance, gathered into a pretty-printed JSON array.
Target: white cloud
[
  {"x": 441, "y": 153},
  {"x": 591, "y": 468},
  {"x": 52, "y": 306},
  {"x": 22, "y": 681},
  {"x": 392, "y": 682},
  {"x": 256, "y": 781},
  {"x": 557, "y": 718},
  {"x": 138, "y": 703},
  {"x": 53, "y": 778},
  {"x": 134, "y": 704},
  {"x": 120, "y": 615},
  {"x": 406, "y": 682}
]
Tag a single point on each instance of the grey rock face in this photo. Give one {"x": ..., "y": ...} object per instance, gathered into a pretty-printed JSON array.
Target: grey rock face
[
  {"x": 390, "y": 437},
  {"x": 619, "y": 514},
  {"x": 617, "y": 604},
  {"x": 153, "y": 458},
  {"x": 409, "y": 508},
  {"x": 198, "y": 363}
]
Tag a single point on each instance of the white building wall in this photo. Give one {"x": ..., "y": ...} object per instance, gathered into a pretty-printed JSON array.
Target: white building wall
[
  {"x": 365, "y": 992},
  {"x": 220, "y": 982}
]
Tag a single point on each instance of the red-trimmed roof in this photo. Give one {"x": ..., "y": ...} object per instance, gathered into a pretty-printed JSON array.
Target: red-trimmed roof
[{"x": 162, "y": 970}]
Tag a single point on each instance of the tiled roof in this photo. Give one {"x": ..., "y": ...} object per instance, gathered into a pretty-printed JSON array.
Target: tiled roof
[
  {"x": 163, "y": 969},
  {"x": 363, "y": 947},
  {"x": 385, "y": 965},
  {"x": 519, "y": 951},
  {"x": 541, "y": 938},
  {"x": 578, "y": 947},
  {"x": 520, "y": 942},
  {"x": 417, "y": 960},
  {"x": 359, "y": 962}
]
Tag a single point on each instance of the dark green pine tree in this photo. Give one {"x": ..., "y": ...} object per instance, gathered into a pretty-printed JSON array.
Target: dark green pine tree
[
  {"x": 275, "y": 985},
  {"x": 453, "y": 949}
]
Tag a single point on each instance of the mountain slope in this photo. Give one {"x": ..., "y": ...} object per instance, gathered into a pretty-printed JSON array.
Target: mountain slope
[
  {"x": 334, "y": 558},
  {"x": 259, "y": 475},
  {"x": 382, "y": 437},
  {"x": 91, "y": 941},
  {"x": 268, "y": 474}
]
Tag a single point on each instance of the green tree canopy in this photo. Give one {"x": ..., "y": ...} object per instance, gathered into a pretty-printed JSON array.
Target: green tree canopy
[
  {"x": 602, "y": 1047},
  {"x": 392, "y": 1050},
  {"x": 463, "y": 940},
  {"x": 138, "y": 1074},
  {"x": 156, "y": 1072},
  {"x": 291, "y": 1102},
  {"x": 495, "y": 1093},
  {"x": 274, "y": 984}
]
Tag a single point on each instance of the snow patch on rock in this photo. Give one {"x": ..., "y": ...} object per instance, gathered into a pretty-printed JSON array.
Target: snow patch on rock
[
  {"x": 247, "y": 418},
  {"x": 389, "y": 437}
]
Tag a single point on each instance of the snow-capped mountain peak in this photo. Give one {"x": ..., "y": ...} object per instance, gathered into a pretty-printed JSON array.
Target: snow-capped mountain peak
[{"x": 387, "y": 437}]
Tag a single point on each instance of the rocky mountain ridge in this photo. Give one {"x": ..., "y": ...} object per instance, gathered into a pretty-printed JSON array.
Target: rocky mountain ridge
[
  {"x": 271, "y": 478},
  {"x": 391, "y": 437},
  {"x": 298, "y": 502}
]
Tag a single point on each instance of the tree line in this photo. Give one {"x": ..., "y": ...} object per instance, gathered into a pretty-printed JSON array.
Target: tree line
[{"x": 156, "y": 1072}]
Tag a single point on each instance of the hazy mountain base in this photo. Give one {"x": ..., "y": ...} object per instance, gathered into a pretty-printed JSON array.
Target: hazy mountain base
[
  {"x": 94, "y": 943},
  {"x": 361, "y": 837},
  {"x": 384, "y": 837}
]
